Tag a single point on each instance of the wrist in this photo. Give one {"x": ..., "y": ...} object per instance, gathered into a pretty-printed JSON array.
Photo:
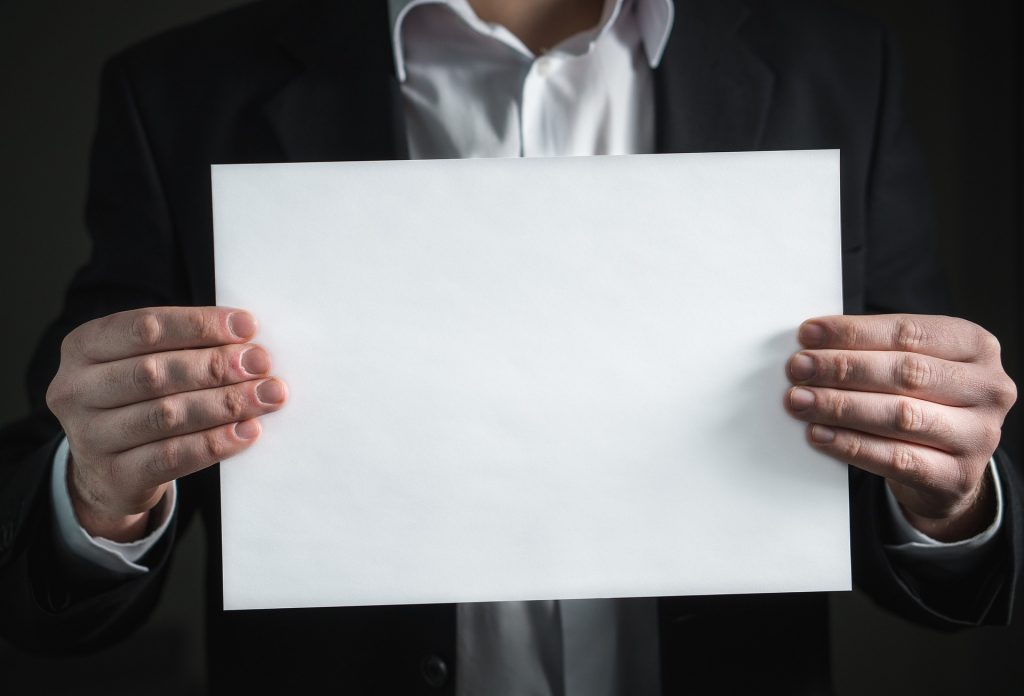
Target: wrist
[{"x": 971, "y": 519}]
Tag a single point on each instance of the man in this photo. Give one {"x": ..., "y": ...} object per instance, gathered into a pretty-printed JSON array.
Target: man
[{"x": 145, "y": 398}]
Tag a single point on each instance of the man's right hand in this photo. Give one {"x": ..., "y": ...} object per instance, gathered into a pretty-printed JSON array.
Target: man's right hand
[{"x": 148, "y": 396}]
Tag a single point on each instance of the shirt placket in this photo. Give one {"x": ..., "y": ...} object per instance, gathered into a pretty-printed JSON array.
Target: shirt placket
[{"x": 541, "y": 128}]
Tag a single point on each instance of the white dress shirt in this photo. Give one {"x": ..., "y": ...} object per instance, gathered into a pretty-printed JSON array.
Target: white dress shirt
[{"x": 473, "y": 89}]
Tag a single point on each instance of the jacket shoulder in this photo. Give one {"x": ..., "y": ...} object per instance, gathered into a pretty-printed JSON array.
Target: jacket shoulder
[
  {"x": 233, "y": 41},
  {"x": 827, "y": 18}
]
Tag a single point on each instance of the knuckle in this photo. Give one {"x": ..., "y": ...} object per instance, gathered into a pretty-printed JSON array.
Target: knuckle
[
  {"x": 76, "y": 343},
  {"x": 214, "y": 446},
  {"x": 989, "y": 344},
  {"x": 203, "y": 326},
  {"x": 914, "y": 373},
  {"x": 964, "y": 478},
  {"x": 838, "y": 406},
  {"x": 144, "y": 330},
  {"x": 165, "y": 417},
  {"x": 851, "y": 446},
  {"x": 849, "y": 332},
  {"x": 167, "y": 457},
  {"x": 843, "y": 368},
  {"x": 234, "y": 404},
  {"x": 217, "y": 367},
  {"x": 53, "y": 396},
  {"x": 69, "y": 345},
  {"x": 147, "y": 375},
  {"x": 909, "y": 417},
  {"x": 1005, "y": 393},
  {"x": 911, "y": 334},
  {"x": 905, "y": 463},
  {"x": 59, "y": 394}
]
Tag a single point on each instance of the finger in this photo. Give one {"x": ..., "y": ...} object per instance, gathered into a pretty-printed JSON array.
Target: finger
[
  {"x": 904, "y": 418},
  {"x": 942, "y": 337},
  {"x": 166, "y": 460},
  {"x": 146, "y": 377},
  {"x": 892, "y": 372},
  {"x": 916, "y": 466},
  {"x": 158, "y": 329},
  {"x": 117, "y": 430}
]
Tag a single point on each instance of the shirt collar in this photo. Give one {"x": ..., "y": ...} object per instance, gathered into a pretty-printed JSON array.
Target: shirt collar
[{"x": 654, "y": 19}]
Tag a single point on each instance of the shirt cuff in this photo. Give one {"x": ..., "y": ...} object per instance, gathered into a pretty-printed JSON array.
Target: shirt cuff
[
  {"x": 96, "y": 553},
  {"x": 957, "y": 556}
]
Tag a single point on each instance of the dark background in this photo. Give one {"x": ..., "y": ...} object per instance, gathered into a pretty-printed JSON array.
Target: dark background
[{"x": 965, "y": 67}]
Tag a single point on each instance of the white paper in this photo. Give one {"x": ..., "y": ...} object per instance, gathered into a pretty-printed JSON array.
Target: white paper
[{"x": 520, "y": 379}]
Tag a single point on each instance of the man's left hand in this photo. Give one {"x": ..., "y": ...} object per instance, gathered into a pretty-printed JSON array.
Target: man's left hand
[{"x": 917, "y": 399}]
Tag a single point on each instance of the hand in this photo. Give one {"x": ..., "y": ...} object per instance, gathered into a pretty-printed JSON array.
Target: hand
[
  {"x": 919, "y": 400},
  {"x": 151, "y": 395}
]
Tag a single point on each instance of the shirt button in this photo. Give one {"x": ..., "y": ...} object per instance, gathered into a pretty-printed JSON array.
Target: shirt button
[
  {"x": 434, "y": 671},
  {"x": 544, "y": 66}
]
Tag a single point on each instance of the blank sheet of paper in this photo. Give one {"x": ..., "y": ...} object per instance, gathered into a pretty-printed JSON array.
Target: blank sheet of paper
[{"x": 531, "y": 378}]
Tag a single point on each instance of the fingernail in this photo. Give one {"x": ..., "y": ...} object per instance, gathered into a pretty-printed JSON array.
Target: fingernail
[
  {"x": 242, "y": 324},
  {"x": 811, "y": 335},
  {"x": 801, "y": 399},
  {"x": 822, "y": 434},
  {"x": 255, "y": 361},
  {"x": 271, "y": 392},
  {"x": 247, "y": 430},
  {"x": 801, "y": 367}
]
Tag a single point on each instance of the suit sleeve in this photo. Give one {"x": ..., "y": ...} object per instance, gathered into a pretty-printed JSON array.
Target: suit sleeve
[
  {"x": 134, "y": 263},
  {"x": 901, "y": 276}
]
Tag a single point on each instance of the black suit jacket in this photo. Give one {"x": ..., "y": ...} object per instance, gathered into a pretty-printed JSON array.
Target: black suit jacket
[{"x": 314, "y": 80}]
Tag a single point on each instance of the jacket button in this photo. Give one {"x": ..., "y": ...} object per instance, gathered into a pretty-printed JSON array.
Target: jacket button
[{"x": 434, "y": 671}]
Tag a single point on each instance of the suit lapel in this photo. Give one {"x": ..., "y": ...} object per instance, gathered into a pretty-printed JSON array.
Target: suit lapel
[
  {"x": 711, "y": 91},
  {"x": 345, "y": 101}
]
